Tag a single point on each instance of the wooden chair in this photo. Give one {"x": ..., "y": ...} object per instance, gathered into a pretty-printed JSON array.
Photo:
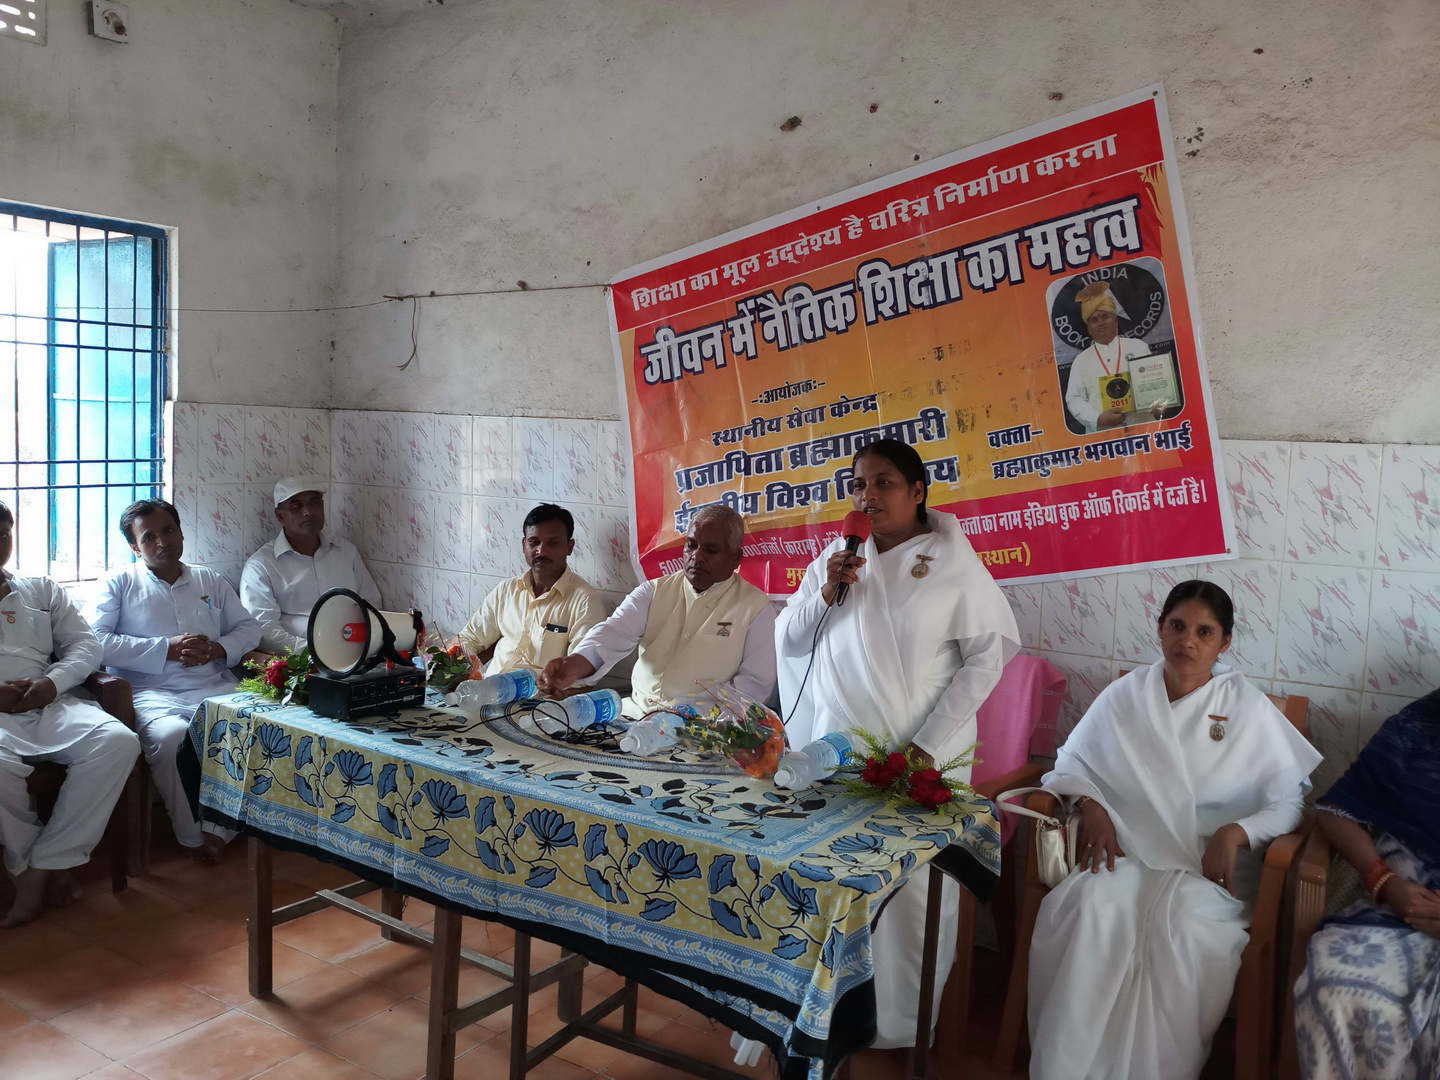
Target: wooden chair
[
  {"x": 1306, "y": 894},
  {"x": 1256, "y": 1007},
  {"x": 112, "y": 694}
]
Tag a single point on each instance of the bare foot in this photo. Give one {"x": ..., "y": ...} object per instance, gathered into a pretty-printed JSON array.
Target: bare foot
[
  {"x": 209, "y": 851},
  {"x": 29, "y": 898},
  {"x": 61, "y": 890}
]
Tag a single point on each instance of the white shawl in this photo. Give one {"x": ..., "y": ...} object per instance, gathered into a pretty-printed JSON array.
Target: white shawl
[
  {"x": 900, "y": 655},
  {"x": 1166, "y": 783}
]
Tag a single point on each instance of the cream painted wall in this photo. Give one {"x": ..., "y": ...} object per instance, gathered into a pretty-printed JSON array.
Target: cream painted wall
[
  {"x": 217, "y": 118},
  {"x": 557, "y": 143}
]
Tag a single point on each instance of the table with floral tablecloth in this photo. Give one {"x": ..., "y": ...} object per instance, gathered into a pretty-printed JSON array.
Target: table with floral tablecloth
[{"x": 749, "y": 903}]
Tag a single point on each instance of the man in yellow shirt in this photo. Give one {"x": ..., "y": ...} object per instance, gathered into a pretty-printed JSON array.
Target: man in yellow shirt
[{"x": 530, "y": 620}]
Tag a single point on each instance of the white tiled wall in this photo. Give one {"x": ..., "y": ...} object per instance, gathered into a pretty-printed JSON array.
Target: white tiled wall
[
  {"x": 1337, "y": 587},
  {"x": 224, "y": 462},
  {"x": 436, "y": 502},
  {"x": 1336, "y": 590}
]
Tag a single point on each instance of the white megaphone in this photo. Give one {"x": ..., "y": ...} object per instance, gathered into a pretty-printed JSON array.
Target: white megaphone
[{"x": 348, "y": 635}]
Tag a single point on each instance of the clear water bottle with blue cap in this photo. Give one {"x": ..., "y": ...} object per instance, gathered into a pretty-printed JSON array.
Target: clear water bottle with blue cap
[
  {"x": 580, "y": 711},
  {"x": 494, "y": 690},
  {"x": 818, "y": 761},
  {"x": 658, "y": 731}
]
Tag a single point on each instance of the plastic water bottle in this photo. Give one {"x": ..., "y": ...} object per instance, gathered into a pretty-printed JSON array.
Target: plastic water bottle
[
  {"x": 581, "y": 711},
  {"x": 499, "y": 689},
  {"x": 813, "y": 763},
  {"x": 653, "y": 734}
]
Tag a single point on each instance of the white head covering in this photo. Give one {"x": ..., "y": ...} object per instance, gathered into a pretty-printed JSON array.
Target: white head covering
[{"x": 289, "y": 486}]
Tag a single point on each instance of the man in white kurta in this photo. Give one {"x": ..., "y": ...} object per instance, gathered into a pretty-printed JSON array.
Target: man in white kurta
[
  {"x": 284, "y": 578},
  {"x": 46, "y": 651},
  {"x": 526, "y": 622},
  {"x": 1107, "y": 354},
  {"x": 909, "y": 656},
  {"x": 700, "y": 625},
  {"x": 174, "y": 631},
  {"x": 1131, "y": 969}
]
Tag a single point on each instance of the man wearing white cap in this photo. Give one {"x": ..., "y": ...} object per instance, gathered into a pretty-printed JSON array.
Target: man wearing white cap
[
  {"x": 174, "y": 631},
  {"x": 1107, "y": 354},
  {"x": 287, "y": 575}
]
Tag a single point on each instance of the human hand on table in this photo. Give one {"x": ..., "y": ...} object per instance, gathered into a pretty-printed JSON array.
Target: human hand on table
[{"x": 559, "y": 674}]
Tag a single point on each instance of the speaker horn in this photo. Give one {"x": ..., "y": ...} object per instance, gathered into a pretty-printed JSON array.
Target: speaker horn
[{"x": 349, "y": 635}]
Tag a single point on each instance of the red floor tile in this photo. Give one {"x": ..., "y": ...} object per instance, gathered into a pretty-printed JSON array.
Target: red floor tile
[
  {"x": 128, "y": 1019},
  {"x": 391, "y": 1044},
  {"x": 183, "y": 935},
  {"x": 230, "y": 1047},
  {"x": 225, "y": 975},
  {"x": 322, "y": 1004},
  {"x": 331, "y": 934},
  {"x": 40, "y": 942},
  {"x": 40, "y": 1052},
  {"x": 315, "y": 1065},
  {"x": 70, "y": 981}
]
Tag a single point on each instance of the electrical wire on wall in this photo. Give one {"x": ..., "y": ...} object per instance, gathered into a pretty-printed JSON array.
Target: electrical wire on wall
[{"x": 414, "y": 298}]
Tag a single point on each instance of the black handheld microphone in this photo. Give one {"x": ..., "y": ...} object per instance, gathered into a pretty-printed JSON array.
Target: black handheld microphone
[{"x": 856, "y": 530}]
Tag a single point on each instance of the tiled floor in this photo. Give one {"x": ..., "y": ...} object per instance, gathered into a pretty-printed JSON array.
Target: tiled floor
[{"x": 150, "y": 984}]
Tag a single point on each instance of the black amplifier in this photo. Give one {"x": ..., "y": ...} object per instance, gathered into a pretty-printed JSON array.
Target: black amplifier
[{"x": 375, "y": 691}]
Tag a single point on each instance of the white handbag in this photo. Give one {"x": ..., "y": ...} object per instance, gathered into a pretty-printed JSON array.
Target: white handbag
[{"x": 1055, "y": 838}]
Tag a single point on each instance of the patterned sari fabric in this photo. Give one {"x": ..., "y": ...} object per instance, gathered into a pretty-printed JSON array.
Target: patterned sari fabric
[
  {"x": 1368, "y": 1004},
  {"x": 751, "y": 904}
]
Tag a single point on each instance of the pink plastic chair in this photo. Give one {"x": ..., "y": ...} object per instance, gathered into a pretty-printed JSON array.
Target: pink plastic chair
[{"x": 1017, "y": 721}]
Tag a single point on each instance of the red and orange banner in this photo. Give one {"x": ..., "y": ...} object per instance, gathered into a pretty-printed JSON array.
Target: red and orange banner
[{"x": 942, "y": 306}]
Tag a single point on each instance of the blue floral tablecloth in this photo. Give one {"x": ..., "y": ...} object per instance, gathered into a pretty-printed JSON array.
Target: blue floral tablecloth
[{"x": 749, "y": 903}]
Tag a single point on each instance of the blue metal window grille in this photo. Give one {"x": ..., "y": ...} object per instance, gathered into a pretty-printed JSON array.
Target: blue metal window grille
[{"x": 83, "y": 338}]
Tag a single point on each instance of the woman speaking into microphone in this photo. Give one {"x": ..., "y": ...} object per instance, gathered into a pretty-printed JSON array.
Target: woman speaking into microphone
[{"x": 912, "y": 649}]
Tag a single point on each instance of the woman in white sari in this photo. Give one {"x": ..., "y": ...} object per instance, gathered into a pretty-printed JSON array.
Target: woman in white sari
[
  {"x": 1177, "y": 775},
  {"x": 914, "y": 650}
]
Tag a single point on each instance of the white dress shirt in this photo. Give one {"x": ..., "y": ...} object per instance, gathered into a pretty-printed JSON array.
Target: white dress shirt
[
  {"x": 614, "y": 639},
  {"x": 279, "y": 587},
  {"x": 37, "y": 620},
  {"x": 136, "y": 615}
]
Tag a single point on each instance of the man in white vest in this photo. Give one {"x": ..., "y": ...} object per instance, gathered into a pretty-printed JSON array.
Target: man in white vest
[{"x": 703, "y": 623}]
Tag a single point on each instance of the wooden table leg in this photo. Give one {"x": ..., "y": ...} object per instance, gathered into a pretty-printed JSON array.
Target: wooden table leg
[
  {"x": 632, "y": 1007},
  {"x": 392, "y": 903},
  {"x": 920, "y": 1052},
  {"x": 444, "y": 995},
  {"x": 569, "y": 1001},
  {"x": 261, "y": 924},
  {"x": 520, "y": 1007}
]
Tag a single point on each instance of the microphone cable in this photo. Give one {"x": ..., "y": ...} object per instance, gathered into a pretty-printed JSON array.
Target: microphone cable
[{"x": 814, "y": 641}]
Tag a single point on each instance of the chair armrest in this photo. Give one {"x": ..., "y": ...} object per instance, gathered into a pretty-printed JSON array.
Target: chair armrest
[
  {"x": 1313, "y": 868},
  {"x": 114, "y": 695},
  {"x": 1282, "y": 851},
  {"x": 1265, "y": 916},
  {"x": 1025, "y": 776}
]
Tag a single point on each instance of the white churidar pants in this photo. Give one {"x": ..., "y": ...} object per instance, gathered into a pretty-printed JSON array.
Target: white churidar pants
[
  {"x": 162, "y": 719},
  {"x": 98, "y": 753}
]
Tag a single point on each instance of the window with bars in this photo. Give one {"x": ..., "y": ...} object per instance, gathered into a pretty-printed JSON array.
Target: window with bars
[{"x": 82, "y": 369}]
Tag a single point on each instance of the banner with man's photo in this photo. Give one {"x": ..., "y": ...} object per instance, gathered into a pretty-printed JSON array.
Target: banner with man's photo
[{"x": 1019, "y": 312}]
